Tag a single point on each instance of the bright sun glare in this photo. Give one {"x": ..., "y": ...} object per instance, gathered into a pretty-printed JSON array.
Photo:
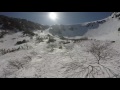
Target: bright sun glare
[{"x": 53, "y": 16}]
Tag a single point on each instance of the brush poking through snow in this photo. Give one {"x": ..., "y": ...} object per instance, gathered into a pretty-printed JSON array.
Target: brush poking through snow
[{"x": 88, "y": 50}]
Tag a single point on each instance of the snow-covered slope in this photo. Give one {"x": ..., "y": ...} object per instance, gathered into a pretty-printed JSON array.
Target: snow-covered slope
[
  {"x": 48, "y": 56},
  {"x": 17, "y": 24},
  {"x": 48, "y": 60},
  {"x": 106, "y": 29},
  {"x": 75, "y": 30}
]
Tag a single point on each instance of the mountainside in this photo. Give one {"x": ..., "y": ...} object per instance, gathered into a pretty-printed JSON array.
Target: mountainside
[
  {"x": 75, "y": 30},
  {"x": 88, "y": 50},
  {"x": 108, "y": 30},
  {"x": 96, "y": 29},
  {"x": 107, "y": 27},
  {"x": 16, "y": 24}
]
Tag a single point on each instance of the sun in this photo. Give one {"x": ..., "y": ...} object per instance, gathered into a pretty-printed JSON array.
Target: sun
[{"x": 53, "y": 15}]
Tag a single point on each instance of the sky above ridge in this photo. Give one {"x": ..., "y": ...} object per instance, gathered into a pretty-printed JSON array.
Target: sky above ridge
[{"x": 50, "y": 18}]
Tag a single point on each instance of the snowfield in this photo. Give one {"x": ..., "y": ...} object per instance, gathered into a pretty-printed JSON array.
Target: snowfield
[{"x": 73, "y": 56}]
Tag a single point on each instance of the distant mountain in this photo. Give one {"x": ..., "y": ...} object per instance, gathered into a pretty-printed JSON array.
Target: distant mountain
[
  {"x": 102, "y": 29},
  {"x": 107, "y": 31},
  {"x": 16, "y": 24},
  {"x": 75, "y": 30}
]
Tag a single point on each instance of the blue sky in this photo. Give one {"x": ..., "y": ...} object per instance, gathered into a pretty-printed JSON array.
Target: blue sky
[{"x": 64, "y": 17}]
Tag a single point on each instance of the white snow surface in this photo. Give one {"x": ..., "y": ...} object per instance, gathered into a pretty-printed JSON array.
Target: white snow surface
[{"x": 47, "y": 60}]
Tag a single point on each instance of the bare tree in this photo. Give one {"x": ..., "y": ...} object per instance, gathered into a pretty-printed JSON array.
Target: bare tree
[
  {"x": 101, "y": 51},
  {"x": 16, "y": 64},
  {"x": 6, "y": 73},
  {"x": 39, "y": 39},
  {"x": 78, "y": 70}
]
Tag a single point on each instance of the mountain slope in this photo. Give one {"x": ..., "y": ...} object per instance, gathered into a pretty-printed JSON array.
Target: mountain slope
[
  {"x": 101, "y": 29},
  {"x": 77, "y": 29},
  {"x": 15, "y": 24},
  {"x": 46, "y": 56},
  {"x": 108, "y": 30}
]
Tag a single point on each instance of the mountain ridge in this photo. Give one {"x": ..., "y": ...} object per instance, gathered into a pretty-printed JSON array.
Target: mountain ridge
[
  {"x": 94, "y": 29},
  {"x": 89, "y": 29},
  {"x": 18, "y": 24}
]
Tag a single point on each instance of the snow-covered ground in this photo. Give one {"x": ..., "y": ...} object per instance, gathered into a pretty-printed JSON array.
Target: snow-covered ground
[{"x": 62, "y": 58}]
